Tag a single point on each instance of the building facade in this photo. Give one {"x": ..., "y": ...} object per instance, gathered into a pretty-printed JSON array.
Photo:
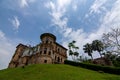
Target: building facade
[{"x": 47, "y": 52}]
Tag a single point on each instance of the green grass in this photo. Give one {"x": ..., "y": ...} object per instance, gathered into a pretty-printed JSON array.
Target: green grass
[{"x": 54, "y": 72}]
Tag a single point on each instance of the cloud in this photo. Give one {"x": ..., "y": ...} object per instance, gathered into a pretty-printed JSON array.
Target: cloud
[
  {"x": 25, "y": 3},
  {"x": 57, "y": 12},
  {"x": 97, "y": 6},
  {"x": 59, "y": 19},
  {"x": 58, "y": 9},
  {"x": 6, "y": 50},
  {"x": 15, "y": 22},
  {"x": 74, "y": 7},
  {"x": 112, "y": 17},
  {"x": 2, "y": 35}
]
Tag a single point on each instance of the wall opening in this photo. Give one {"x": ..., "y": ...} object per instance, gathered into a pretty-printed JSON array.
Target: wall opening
[{"x": 45, "y": 61}]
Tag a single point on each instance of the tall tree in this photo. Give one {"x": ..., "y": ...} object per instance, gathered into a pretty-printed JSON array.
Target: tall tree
[
  {"x": 88, "y": 49},
  {"x": 97, "y": 45},
  {"x": 73, "y": 50},
  {"x": 111, "y": 41}
]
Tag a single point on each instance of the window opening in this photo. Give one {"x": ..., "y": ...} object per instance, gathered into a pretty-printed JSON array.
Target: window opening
[{"x": 45, "y": 61}]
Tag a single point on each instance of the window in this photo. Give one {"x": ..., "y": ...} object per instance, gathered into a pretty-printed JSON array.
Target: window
[
  {"x": 40, "y": 52},
  {"x": 45, "y": 50},
  {"x": 19, "y": 56},
  {"x": 45, "y": 61},
  {"x": 49, "y": 53},
  {"x": 47, "y": 40},
  {"x": 55, "y": 57},
  {"x": 58, "y": 59},
  {"x": 50, "y": 42}
]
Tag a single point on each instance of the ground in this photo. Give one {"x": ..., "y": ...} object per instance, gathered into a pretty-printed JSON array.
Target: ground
[{"x": 54, "y": 72}]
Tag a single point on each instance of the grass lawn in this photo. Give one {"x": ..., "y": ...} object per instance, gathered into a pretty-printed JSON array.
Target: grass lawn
[{"x": 54, "y": 72}]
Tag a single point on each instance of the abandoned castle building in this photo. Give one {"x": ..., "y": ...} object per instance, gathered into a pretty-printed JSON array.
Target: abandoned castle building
[{"x": 48, "y": 51}]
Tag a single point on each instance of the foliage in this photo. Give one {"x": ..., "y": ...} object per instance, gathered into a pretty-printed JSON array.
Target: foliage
[
  {"x": 54, "y": 72},
  {"x": 111, "y": 42},
  {"x": 88, "y": 49},
  {"x": 97, "y": 45},
  {"x": 73, "y": 50},
  {"x": 107, "y": 69}
]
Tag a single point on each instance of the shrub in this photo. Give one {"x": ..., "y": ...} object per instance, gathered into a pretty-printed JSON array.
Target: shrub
[{"x": 106, "y": 69}]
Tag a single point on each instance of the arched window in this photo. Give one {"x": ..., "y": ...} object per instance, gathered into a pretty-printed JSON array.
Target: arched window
[
  {"x": 45, "y": 50},
  {"x": 58, "y": 59}
]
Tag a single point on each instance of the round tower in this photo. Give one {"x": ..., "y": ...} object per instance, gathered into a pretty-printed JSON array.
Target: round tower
[
  {"x": 47, "y": 38},
  {"x": 46, "y": 47}
]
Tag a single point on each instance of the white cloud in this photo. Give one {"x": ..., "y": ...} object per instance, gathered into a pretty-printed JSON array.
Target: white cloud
[
  {"x": 74, "y": 7},
  {"x": 58, "y": 19},
  {"x": 97, "y": 6},
  {"x": 2, "y": 35},
  {"x": 57, "y": 12},
  {"x": 25, "y": 3},
  {"x": 15, "y": 22},
  {"x": 6, "y": 50},
  {"x": 112, "y": 17}
]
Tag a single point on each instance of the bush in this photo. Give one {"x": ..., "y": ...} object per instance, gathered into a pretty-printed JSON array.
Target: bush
[
  {"x": 116, "y": 63},
  {"x": 106, "y": 69}
]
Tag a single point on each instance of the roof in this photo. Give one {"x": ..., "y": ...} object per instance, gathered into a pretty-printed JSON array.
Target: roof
[
  {"x": 48, "y": 34},
  {"x": 20, "y": 44},
  {"x": 61, "y": 46}
]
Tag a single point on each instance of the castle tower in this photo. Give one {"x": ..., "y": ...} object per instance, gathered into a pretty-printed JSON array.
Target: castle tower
[
  {"x": 51, "y": 50},
  {"x": 47, "y": 47}
]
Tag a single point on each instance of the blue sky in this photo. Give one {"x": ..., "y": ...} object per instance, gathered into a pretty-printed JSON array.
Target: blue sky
[{"x": 23, "y": 21}]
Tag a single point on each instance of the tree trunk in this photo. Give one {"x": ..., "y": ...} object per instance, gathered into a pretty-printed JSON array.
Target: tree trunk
[
  {"x": 92, "y": 57},
  {"x": 100, "y": 54}
]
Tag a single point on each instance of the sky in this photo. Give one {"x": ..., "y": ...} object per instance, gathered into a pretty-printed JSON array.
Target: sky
[{"x": 23, "y": 21}]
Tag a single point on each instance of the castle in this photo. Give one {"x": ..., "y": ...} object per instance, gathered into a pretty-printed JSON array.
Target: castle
[{"x": 47, "y": 52}]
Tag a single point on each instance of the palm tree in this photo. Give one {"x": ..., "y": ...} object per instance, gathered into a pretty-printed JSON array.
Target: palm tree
[
  {"x": 98, "y": 46},
  {"x": 88, "y": 49},
  {"x": 73, "y": 50}
]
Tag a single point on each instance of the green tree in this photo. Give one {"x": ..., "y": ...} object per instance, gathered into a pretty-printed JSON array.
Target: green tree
[
  {"x": 98, "y": 46},
  {"x": 73, "y": 50},
  {"x": 88, "y": 49}
]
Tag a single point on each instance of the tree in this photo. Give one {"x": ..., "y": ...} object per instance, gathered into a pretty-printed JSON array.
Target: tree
[
  {"x": 73, "y": 50},
  {"x": 112, "y": 41},
  {"x": 97, "y": 45},
  {"x": 88, "y": 49}
]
